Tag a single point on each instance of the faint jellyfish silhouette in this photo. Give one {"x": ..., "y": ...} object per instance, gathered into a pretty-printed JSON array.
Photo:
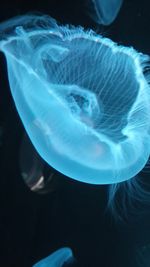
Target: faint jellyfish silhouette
[
  {"x": 143, "y": 256},
  {"x": 104, "y": 11},
  {"x": 37, "y": 175},
  {"x": 61, "y": 258},
  {"x": 83, "y": 99}
]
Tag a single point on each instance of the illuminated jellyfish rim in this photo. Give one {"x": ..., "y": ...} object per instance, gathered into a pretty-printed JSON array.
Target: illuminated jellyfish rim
[
  {"x": 57, "y": 258},
  {"x": 69, "y": 33}
]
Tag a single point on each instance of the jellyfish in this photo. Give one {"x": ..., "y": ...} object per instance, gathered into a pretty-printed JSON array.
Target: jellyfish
[
  {"x": 83, "y": 99},
  {"x": 37, "y": 175},
  {"x": 143, "y": 256},
  {"x": 104, "y": 11},
  {"x": 60, "y": 258}
]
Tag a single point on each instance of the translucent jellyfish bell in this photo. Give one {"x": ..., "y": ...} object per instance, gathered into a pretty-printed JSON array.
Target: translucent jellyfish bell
[
  {"x": 104, "y": 11},
  {"x": 83, "y": 100},
  {"x": 60, "y": 258},
  {"x": 143, "y": 256}
]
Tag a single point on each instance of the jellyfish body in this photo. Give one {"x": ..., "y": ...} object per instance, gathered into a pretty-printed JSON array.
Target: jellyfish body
[
  {"x": 83, "y": 100},
  {"x": 104, "y": 11},
  {"x": 59, "y": 258},
  {"x": 143, "y": 256}
]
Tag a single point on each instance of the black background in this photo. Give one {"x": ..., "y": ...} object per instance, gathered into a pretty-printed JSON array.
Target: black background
[{"x": 33, "y": 225}]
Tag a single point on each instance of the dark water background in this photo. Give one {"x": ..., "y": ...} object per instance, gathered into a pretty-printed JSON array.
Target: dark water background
[{"x": 34, "y": 225}]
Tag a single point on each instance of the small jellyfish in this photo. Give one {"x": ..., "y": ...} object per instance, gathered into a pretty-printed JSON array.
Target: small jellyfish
[
  {"x": 143, "y": 256},
  {"x": 84, "y": 100},
  {"x": 37, "y": 175},
  {"x": 104, "y": 11},
  {"x": 60, "y": 258}
]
